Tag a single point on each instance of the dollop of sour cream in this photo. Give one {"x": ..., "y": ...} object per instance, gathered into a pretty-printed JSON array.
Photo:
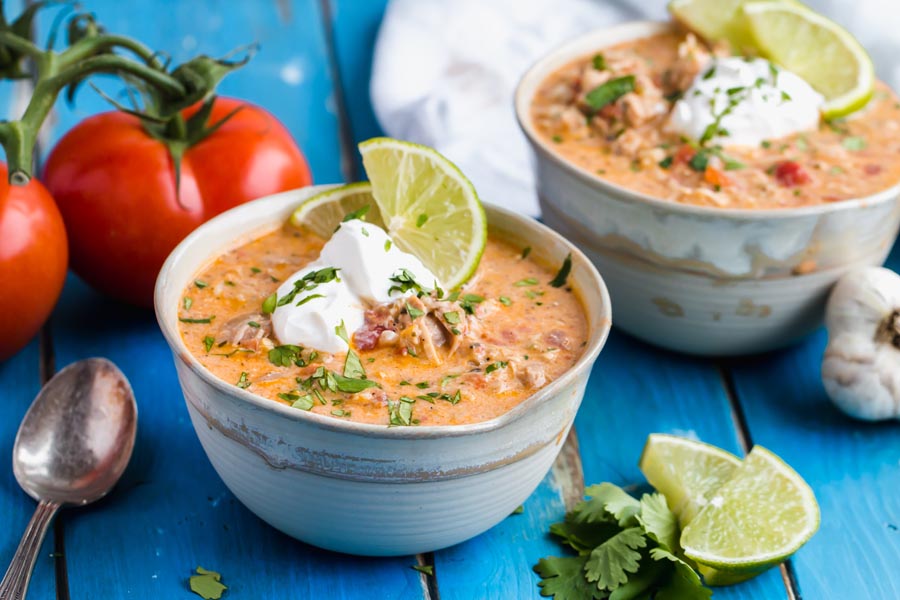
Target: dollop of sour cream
[
  {"x": 742, "y": 101},
  {"x": 364, "y": 259}
]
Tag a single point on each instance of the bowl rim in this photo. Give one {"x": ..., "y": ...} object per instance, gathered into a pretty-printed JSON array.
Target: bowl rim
[
  {"x": 573, "y": 50},
  {"x": 600, "y": 317}
]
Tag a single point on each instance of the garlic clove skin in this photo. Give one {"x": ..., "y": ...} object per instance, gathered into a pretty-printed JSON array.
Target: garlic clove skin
[
  {"x": 861, "y": 367},
  {"x": 862, "y": 378}
]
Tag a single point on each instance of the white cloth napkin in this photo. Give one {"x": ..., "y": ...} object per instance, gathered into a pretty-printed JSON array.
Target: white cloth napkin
[{"x": 444, "y": 72}]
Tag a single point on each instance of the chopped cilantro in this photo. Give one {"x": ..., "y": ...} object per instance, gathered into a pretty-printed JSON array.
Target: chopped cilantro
[
  {"x": 306, "y": 299},
  {"x": 422, "y": 385},
  {"x": 200, "y": 284},
  {"x": 284, "y": 356},
  {"x": 421, "y": 220},
  {"x": 526, "y": 251},
  {"x": 387, "y": 245},
  {"x": 609, "y": 92},
  {"x": 500, "y": 364},
  {"x": 766, "y": 144},
  {"x": 207, "y": 584},
  {"x": 208, "y": 342},
  {"x": 404, "y": 382},
  {"x": 699, "y": 161},
  {"x": 309, "y": 282},
  {"x": 526, "y": 282},
  {"x": 504, "y": 300},
  {"x": 188, "y": 303},
  {"x": 359, "y": 213},
  {"x": 666, "y": 162},
  {"x": 340, "y": 412},
  {"x": 452, "y": 317},
  {"x": 255, "y": 270},
  {"x": 340, "y": 330},
  {"x": 253, "y": 324},
  {"x": 563, "y": 274},
  {"x": 709, "y": 74},
  {"x": 269, "y": 304},
  {"x": 426, "y": 569},
  {"x": 405, "y": 281},
  {"x": 413, "y": 312},
  {"x": 243, "y": 382},
  {"x": 518, "y": 510},
  {"x": 400, "y": 412},
  {"x": 364, "y": 231},
  {"x": 353, "y": 367},
  {"x": 599, "y": 62},
  {"x": 208, "y": 319},
  {"x": 304, "y": 402},
  {"x": 558, "y": 139},
  {"x": 469, "y": 301}
]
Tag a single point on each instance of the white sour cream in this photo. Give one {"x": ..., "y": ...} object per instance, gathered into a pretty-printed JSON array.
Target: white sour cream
[
  {"x": 367, "y": 259},
  {"x": 754, "y": 99}
]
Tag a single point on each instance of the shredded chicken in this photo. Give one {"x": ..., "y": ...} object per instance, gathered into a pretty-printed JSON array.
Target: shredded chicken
[
  {"x": 693, "y": 57},
  {"x": 241, "y": 331}
]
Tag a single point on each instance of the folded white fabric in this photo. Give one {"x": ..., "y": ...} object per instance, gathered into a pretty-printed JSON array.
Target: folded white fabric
[{"x": 444, "y": 72}]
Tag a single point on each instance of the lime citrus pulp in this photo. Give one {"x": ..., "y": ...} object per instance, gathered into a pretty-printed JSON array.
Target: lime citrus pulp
[{"x": 323, "y": 212}]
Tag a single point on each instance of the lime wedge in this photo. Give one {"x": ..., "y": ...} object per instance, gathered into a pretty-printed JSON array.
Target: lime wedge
[
  {"x": 714, "y": 20},
  {"x": 324, "y": 212},
  {"x": 686, "y": 472},
  {"x": 764, "y": 513},
  {"x": 428, "y": 206},
  {"x": 815, "y": 48}
]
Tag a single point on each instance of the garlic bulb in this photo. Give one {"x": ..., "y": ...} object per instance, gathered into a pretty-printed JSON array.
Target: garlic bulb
[{"x": 861, "y": 368}]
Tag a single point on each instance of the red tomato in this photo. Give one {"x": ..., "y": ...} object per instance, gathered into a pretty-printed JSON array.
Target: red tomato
[
  {"x": 115, "y": 187},
  {"x": 789, "y": 174},
  {"x": 33, "y": 257}
]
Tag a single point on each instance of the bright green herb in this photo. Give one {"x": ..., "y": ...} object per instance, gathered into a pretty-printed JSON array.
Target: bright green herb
[
  {"x": 766, "y": 144},
  {"x": 504, "y": 300},
  {"x": 207, "y": 584},
  {"x": 500, "y": 364},
  {"x": 405, "y": 281},
  {"x": 208, "y": 319},
  {"x": 308, "y": 282},
  {"x": 333, "y": 382},
  {"x": 303, "y": 301},
  {"x": 340, "y": 412},
  {"x": 609, "y": 92},
  {"x": 421, "y": 220},
  {"x": 387, "y": 245},
  {"x": 452, "y": 317},
  {"x": 558, "y": 139},
  {"x": 208, "y": 342},
  {"x": 243, "y": 382},
  {"x": 625, "y": 548},
  {"x": 400, "y": 412},
  {"x": 284, "y": 356},
  {"x": 200, "y": 284},
  {"x": 253, "y": 324},
  {"x": 304, "y": 402},
  {"x": 353, "y": 367},
  {"x": 599, "y": 62},
  {"x": 422, "y": 385},
  {"x": 413, "y": 312},
  {"x": 526, "y": 282},
  {"x": 269, "y": 304},
  {"x": 255, "y": 270},
  {"x": 359, "y": 213},
  {"x": 340, "y": 330},
  {"x": 518, "y": 510},
  {"x": 427, "y": 569},
  {"x": 666, "y": 162},
  {"x": 563, "y": 274},
  {"x": 469, "y": 301},
  {"x": 525, "y": 252},
  {"x": 854, "y": 143},
  {"x": 188, "y": 303}
]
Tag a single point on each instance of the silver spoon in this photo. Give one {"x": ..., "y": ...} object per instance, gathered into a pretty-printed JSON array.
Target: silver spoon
[{"x": 73, "y": 445}]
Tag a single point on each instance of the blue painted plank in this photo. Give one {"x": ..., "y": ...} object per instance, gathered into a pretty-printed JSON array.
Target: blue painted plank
[
  {"x": 852, "y": 466},
  {"x": 355, "y": 26},
  {"x": 288, "y": 76}
]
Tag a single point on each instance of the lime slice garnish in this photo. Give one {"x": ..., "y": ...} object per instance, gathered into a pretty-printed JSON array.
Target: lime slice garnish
[
  {"x": 815, "y": 48},
  {"x": 759, "y": 517},
  {"x": 428, "y": 206},
  {"x": 686, "y": 472},
  {"x": 323, "y": 212},
  {"x": 714, "y": 20}
]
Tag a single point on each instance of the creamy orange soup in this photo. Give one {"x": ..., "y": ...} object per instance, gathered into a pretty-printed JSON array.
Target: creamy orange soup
[
  {"x": 453, "y": 359},
  {"x": 627, "y": 143}
]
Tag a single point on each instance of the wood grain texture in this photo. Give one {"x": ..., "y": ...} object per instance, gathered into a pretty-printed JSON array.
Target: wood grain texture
[{"x": 853, "y": 467}]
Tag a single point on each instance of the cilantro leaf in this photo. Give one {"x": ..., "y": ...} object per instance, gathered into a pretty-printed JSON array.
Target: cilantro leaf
[
  {"x": 563, "y": 274},
  {"x": 207, "y": 584},
  {"x": 610, "y": 563},
  {"x": 609, "y": 92},
  {"x": 340, "y": 330},
  {"x": 658, "y": 522},
  {"x": 640, "y": 585},
  {"x": 562, "y": 578},
  {"x": 581, "y": 536},
  {"x": 683, "y": 584},
  {"x": 353, "y": 367},
  {"x": 609, "y": 499}
]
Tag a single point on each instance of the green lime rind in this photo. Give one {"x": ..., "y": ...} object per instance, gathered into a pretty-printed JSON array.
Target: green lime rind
[
  {"x": 429, "y": 207},
  {"x": 323, "y": 212}
]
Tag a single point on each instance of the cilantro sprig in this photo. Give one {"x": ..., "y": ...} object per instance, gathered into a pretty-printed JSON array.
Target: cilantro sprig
[{"x": 625, "y": 548}]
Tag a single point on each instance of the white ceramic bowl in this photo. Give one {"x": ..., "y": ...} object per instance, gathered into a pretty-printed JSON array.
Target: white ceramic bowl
[
  {"x": 700, "y": 279},
  {"x": 362, "y": 488}
]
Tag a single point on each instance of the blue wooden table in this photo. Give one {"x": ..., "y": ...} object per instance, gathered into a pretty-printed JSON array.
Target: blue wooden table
[{"x": 171, "y": 512}]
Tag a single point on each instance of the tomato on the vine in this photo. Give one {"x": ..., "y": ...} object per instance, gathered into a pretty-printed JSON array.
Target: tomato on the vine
[
  {"x": 115, "y": 185},
  {"x": 33, "y": 255}
]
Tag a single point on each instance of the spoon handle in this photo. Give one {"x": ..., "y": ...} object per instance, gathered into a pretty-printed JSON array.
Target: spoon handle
[{"x": 15, "y": 583}]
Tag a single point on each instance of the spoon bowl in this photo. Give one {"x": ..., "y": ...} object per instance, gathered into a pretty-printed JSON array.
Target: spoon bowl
[{"x": 72, "y": 447}]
